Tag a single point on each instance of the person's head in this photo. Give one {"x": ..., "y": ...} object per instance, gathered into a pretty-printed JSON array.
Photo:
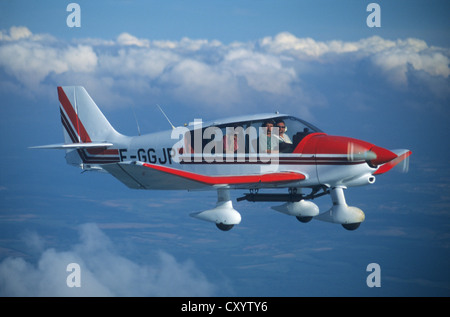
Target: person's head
[
  {"x": 281, "y": 127},
  {"x": 269, "y": 125}
]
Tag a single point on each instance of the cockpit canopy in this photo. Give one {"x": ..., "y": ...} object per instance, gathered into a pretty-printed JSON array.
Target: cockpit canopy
[{"x": 279, "y": 133}]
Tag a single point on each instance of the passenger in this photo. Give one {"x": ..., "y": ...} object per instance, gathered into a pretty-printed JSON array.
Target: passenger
[
  {"x": 268, "y": 144},
  {"x": 230, "y": 143}
]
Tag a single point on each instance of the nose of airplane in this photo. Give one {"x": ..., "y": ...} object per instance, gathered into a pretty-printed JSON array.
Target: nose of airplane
[
  {"x": 326, "y": 146},
  {"x": 382, "y": 155}
]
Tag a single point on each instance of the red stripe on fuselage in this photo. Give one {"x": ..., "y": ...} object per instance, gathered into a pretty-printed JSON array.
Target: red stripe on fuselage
[
  {"x": 296, "y": 160},
  {"x": 241, "y": 179}
]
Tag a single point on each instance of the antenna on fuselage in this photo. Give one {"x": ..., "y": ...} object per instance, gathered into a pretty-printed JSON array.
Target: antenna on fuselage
[{"x": 173, "y": 127}]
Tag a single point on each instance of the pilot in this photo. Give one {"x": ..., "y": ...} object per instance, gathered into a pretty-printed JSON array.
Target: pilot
[
  {"x": 282, "y": 132},
  {"x": 285, "y": 143}
]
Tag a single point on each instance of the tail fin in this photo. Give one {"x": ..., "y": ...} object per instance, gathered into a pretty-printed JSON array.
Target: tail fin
[
  {"x": 82, "y": 120},
  {"x": 86, "y": 129}
]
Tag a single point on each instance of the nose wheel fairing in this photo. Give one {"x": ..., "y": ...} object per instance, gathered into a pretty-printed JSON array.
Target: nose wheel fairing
[{"x": 349, "y": 217}]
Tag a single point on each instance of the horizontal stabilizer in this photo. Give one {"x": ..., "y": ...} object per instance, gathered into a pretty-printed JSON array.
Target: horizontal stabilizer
[{"x": 73, "y": 146}]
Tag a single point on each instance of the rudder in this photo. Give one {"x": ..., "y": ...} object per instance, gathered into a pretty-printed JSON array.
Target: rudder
[{"x": 82, "y": 120}]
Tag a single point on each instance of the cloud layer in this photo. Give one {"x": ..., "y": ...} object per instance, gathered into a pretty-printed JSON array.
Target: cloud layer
[
  {"x": 207, "y": 72},
  {"x": 103, "y": 272}
]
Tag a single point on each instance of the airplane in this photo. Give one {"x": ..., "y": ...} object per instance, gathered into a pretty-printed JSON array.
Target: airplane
[{"x": 260, "y": 152}]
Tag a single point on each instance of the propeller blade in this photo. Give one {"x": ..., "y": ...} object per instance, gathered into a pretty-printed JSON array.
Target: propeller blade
[
  {"x": 402, "y": 157},
  {"x": 403, "y": 167}
]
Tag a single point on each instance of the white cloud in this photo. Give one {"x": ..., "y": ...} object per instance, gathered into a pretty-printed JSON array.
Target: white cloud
[
  {"x": 80, "y": 58},
  {"x": 202, "y": 83},
  {"x": 392, "y": 57},
  {"x": 287, "y": 43},
  {"x": 130, "y": 62},
  {"x": 263, "y": 72},
  {"x": 209, "y": 73},
  {"x": 103, "y": 272},
  {"x": 30, "y": 59},
  {"x": 395, "y": 59},
  {"x": 128, "y": 39},
  {"x": 16, "y": 33}
]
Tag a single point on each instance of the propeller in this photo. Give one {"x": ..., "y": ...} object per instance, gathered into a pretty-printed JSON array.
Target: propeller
[{"x": 401, "y": 161}]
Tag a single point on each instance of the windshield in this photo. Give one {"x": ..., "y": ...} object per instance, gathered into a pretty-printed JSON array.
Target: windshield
[{"x": 296, "y": 125}]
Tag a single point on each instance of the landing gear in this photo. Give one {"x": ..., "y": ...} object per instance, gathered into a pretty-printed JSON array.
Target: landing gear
[
  {"x": 223, "y": 215},
  {"x": 349, "y": 217},
  {"x": 299, "y": 205}
]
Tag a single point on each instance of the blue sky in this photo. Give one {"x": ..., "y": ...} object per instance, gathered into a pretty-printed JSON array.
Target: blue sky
[{"x": 317, "y": 60}]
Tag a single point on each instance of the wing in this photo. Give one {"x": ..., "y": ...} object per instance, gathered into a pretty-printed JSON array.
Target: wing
[{"x": 150, "y": 176}]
